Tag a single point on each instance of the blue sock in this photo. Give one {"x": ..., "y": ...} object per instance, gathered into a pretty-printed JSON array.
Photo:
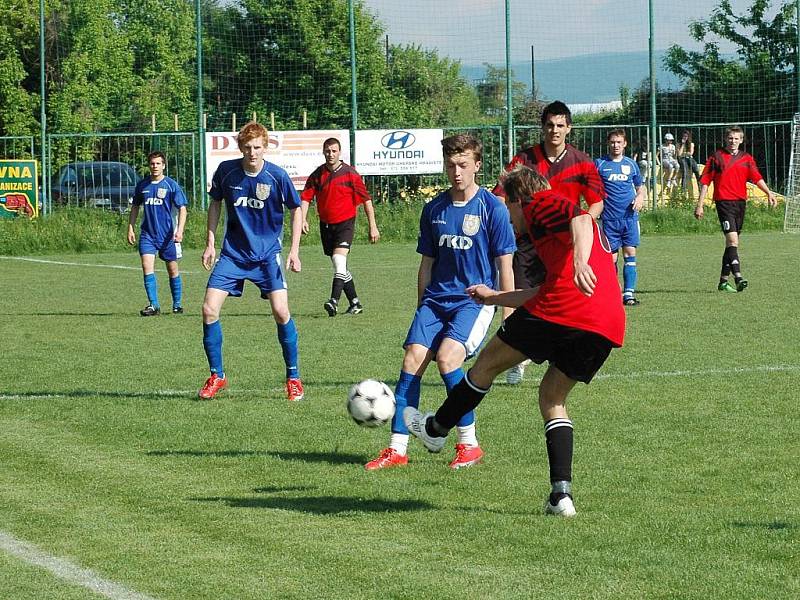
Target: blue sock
[
  {"x": 151, "y": 287},
  {"x": 287, "y": 336},
  {"x": 212, "y": 343},
  {"x": 406, "y": 393},
  {"x": 629, "y": 276},
  {"x": 176, "y": 287},
  {"x": 451, "y": 380}
]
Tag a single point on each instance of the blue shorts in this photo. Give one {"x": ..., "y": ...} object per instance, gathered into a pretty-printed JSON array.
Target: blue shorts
[
  {"x": 622, "y": 232},
  {"x": 229, "y": 276},
  {"x": 465, "y": 321},
  {"x": 167, "y": 250}
]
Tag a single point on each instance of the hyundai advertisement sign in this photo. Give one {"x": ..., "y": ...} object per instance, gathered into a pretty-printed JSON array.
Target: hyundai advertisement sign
[{"x": 399, "y": 151}]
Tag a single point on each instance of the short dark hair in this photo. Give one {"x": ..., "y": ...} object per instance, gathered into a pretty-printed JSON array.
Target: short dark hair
[
  {"x": 521, "y": 183},
  {"x": 618, "y": 131},
  {"x": 734, "y": 129},
  {"x": 557, "y": 109},
  {"x": 461, "y": 143},
  {"x": 330, "y": 142},
  {"x": 156, "y": 154}
]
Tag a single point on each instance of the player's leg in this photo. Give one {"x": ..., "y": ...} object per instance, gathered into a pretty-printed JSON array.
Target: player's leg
[
  {"x": 630, "y": 241},
  {"x": 150, "y": 281},
  {"x": 212, "y": 342},
  {"x": 344, "y": 241},
  {"x": 420, "y": 345},
  {"x": 327, "y": 234},
  {"x": 175, "y": 286},
  {"x": 727, "y": 215},
  {"x": 287, "y": 337}
]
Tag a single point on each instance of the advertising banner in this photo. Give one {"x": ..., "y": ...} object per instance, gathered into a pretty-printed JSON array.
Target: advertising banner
[
  {"x": 19, "y": 189},
  {"x": 399, "y": 151},
  {"x": 298, "y": 152}
]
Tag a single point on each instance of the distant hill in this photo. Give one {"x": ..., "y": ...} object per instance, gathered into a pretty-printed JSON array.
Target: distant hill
[{"x": 591, "y": 78}]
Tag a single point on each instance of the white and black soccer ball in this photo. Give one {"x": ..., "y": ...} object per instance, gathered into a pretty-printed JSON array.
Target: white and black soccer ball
[{"x": 371, "y": 403}]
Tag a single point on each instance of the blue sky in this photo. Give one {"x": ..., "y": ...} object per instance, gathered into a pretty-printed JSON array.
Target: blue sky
[{"x": 473, "y": 31}]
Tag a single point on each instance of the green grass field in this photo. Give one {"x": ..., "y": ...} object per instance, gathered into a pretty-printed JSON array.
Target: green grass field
[{"x": 686, "y": 458}]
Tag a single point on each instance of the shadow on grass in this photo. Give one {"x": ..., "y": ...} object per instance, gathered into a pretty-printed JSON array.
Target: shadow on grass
[
  {"x": 771, "y": 525},
  {"x": 323, "y": 505},
  {"x": 330, "y": 458}
]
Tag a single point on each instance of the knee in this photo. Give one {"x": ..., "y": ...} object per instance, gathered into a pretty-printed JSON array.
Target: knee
[{"x": 210, "y": 312}]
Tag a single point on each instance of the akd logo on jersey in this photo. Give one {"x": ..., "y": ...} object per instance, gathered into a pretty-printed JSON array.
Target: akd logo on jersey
[
  {"x": 161, "y": 193},
  {"x": 262, "y": 190},
  {"x": 398, "y": 140},
  {"x": 471, "y": 224}
]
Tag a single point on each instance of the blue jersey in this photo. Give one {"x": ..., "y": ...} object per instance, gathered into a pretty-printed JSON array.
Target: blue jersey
[
  {"x": 620, "y": 178},
  {"x": 161, "y": 201},
  {"x": 463, "y": 239},
  {"x": 254, "y": 207}
]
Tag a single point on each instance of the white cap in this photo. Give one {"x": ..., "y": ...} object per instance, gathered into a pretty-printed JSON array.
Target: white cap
[{"x": 669, "y": 136}]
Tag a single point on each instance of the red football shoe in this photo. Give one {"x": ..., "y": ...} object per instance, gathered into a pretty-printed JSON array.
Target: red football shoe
[
  {"x": 466, "y": 456},
  {"x": 294, "y": 389},
  {"x": 213, "y": 386},
  {"x": 389, "y": 457}
]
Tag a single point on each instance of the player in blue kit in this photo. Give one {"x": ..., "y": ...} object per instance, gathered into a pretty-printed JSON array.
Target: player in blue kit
[
  {"x": 255, "y": 193},
  {"x": 162, "y": 231},
  {"x": 620, "y": 217},
  {"x": 465, "y": 238}
]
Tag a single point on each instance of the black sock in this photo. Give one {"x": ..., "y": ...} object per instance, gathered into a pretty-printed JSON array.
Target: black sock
[
  {"x": 336, "y": 288},
  {"x": 463, "y": 398},
  {"x": 736, "y": 266},
  {"x": 350, "y": 290},
  {"x": 558, "y": 435}
]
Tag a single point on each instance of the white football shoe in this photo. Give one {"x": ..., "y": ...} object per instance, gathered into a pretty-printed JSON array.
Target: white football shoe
[
  {"x": 415, "y": 421},
  {"x": 515, "y": 374},
  {"x": 563, "y": 508}
]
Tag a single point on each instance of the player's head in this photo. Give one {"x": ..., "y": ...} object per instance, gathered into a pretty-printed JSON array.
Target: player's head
[
  {"x": 617, "y": 142},
  {"x": 556, "y": 123},
  {"x": 157, "y": 162},
  {"x": 252, "y": 141},
  {"x": 734, "y": 137},
  {"x": 462, "y": 160},
  {"x": 332, "y": 150},
  {"x": 520, "y": 184}
]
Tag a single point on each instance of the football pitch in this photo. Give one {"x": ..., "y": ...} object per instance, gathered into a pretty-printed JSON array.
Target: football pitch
[{"x": 116, "y": 482}]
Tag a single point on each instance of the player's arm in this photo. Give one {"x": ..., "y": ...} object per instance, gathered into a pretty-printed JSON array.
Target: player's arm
[
  {"x": 423, "y": 276},
  {"x": 132, "y": 224},
  {"x": 506, "y": 279},
  {"x": 293, "y": 260},
  {"x": 582, "y": 230},
  {"x": 595, "y": 209},
  {"x": 374, "y": 234},
  {"x": 483, "y": 294},
  {"x": 210, "y": 253},
  {"x": 771, "y": 199},
  {"x": 181, "y": 224},
  {"x": 304, "y": 204},
  {"x": 640, "y": 199}
]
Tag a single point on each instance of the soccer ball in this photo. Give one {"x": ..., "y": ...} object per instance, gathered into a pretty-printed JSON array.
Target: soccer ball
[{"x": 370, "y": 403}]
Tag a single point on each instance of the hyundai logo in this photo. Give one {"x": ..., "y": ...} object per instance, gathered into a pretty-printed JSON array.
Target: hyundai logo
[{"x": 397, "y": 140}]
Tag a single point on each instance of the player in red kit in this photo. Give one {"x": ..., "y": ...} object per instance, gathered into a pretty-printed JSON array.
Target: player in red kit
[
  {"x": 339, "y": 191},
  {"x": 572, "y": 321},
  {"x": 729, "y": 169}
]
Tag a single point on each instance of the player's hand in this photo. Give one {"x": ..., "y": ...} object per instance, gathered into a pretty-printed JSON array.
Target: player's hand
[
  {"x": 480, "y": 293},
  {"x": 585, "y": 279},
  {"x": 131, "y": 237},
  {"x": 374, "y": 235},
  {"x": 306, "y": 228},
  {"x": 209, "y": 254},
  {"x": 293, "y": 262},
  {"x": 698, "y": 212},
  {"x": 638, "y": 204},
  {"x": 178, "y": 236},
  {"x": 772, "y": 200}
]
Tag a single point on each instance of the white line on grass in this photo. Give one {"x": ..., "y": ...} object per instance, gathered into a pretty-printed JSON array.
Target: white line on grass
[{"x": 64, "y": 569}]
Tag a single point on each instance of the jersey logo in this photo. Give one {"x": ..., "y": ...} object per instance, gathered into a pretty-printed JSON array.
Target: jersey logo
[
  {"x": 161, "y": 193},
  {"x": 626, "y": 169},
  {"x": 154, "y": 201},
  {"x": 471, "y": 224},
  {"x": 456, "y": 242},
  {"x": 617, "y": 177},
  {"x": 262, "y": 190}
]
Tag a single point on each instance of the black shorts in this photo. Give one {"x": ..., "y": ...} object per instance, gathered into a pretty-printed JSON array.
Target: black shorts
[
  {"x": 336, "y": 235},
  {"x": 731, "y": 215},
  {"x": 576, "y": 353},
  {"x": 528, "y": 268}
]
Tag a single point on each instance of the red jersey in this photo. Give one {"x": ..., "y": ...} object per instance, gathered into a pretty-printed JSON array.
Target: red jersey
[
  {"x": 572, "y": 173},
  {"x": 338, "y": 193},
  {"x": 559, "y": 300},
  {"x": 730, "y": 174}
]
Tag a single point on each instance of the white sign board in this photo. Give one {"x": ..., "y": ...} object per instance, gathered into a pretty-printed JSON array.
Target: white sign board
[
  {"x": 298, "y": 152},
  {"x": 399, "y": 151}
]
